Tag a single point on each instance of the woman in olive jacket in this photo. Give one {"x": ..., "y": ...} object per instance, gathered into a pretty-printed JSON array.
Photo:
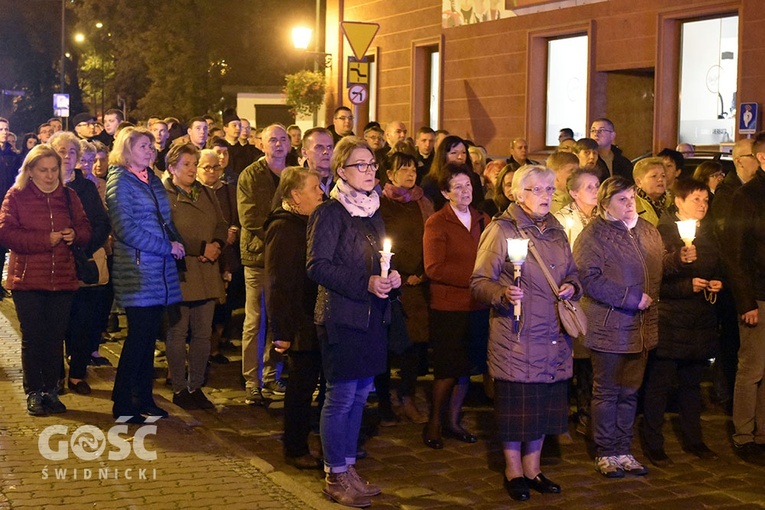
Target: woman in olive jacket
[{"x": 619, "y": 257}]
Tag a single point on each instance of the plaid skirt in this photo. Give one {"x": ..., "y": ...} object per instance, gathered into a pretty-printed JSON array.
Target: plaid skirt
[{"x": 527, "y": 411}]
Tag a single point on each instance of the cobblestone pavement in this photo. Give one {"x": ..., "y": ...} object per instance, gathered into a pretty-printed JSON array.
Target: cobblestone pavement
[{"x": 232, "y": 457}]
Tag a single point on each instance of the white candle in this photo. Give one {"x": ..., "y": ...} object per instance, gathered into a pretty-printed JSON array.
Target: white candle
[
  {"x": 387, "y": 245},
  {"x": 385, "y": 256},
  {"x": 687, "y": 230}
]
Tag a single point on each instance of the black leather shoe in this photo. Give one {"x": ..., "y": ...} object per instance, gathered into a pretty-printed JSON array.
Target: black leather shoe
[
  {"x": 750, "y": 452},
  {"x": 52, "y": 403},
  {"x": 154, "y": 410},
  {"x": 460, "y": 434},
  {"x": 81, "y": 388},
  {"x": 306, "y": 461},
  {"x": 541, "y": 483},
  {"x": 518, "y": 488},
  {"x": 35, "y": 405},
  {"x": 701, "y": 451},
  {"x": 432, "y": 442},
  {"x": 658, "y": 457}
]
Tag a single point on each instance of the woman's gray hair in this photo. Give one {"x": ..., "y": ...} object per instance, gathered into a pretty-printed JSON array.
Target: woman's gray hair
[
  {"x": 293, "y": 178},
  {"x": 526, "y": 172},
  {"x": 610, "y": 187}
]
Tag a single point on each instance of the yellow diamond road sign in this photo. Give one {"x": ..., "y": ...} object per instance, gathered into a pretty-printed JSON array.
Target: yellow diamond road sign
[{"x": 359, "y": 35}]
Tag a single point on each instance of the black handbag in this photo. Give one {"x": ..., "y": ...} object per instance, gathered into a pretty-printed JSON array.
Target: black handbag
[{"x": 87, "y": 269}]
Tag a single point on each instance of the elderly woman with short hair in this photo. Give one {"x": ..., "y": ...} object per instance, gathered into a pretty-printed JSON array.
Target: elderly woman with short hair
[
  {"x": 290, "y": 304},
  {"x": 619, "y": 256},
  {"x": 530, "y": 361},
  {"x": 345, "y": 236},
  {"x": 84, "y": 334}
]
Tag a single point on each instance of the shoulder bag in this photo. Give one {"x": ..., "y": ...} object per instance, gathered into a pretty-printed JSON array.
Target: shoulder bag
[{"x": 572, "y": 317}]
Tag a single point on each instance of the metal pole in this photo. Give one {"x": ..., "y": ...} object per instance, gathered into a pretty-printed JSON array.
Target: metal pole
[{"x": 316, "y": 35}]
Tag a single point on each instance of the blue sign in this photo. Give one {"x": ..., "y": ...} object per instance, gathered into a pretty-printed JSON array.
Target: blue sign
[{"x": 748, "y": 118}]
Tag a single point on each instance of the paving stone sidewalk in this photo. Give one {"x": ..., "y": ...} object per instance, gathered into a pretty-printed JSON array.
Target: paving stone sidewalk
[
  {"x": 232, "y": 456},
  {"x": 192, "y": 469}
]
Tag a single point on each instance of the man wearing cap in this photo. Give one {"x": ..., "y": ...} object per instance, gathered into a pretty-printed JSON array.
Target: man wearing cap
[
  {"x": 237, "y": 154},
  {"x": 84, "y": 125}
]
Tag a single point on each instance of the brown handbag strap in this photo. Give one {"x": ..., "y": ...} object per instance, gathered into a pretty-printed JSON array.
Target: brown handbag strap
[{"x": 541, "y": 262}]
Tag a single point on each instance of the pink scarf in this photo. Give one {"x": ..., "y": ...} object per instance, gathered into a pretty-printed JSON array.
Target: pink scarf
[{"x": 403, "y": 195}]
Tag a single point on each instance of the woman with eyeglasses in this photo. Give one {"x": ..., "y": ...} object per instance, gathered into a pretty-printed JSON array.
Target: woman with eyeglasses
[
  {"x": 457, "y": 321},
  {"x": 710, "y": 173},
  {"x": 345, "y": 237},
  {"x": 529, "y": 353}
]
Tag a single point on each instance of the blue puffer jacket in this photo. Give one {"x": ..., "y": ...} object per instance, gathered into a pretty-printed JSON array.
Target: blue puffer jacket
[{"x": 144, "y": 271}]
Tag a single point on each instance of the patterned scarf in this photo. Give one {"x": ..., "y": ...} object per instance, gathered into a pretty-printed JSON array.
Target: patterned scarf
[
  {"x": 658, "y": 205},
  {"x": 403, "y": 195},
  {"x": 357, "y": 203},
  {"x": 193, "y": 195}
]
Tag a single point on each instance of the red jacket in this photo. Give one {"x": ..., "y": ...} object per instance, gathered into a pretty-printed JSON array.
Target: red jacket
[
  {"x": 449, "y": 252},
  {"x": 27, "y": 218}
]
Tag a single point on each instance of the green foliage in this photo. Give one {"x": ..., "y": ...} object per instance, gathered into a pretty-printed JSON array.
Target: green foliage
[{"x": 305, "y": 92}]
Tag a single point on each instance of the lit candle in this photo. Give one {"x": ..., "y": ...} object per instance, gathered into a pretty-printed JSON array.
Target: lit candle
[
  {"x": 687, "y": 230},
  {"x": 385, "y": 256},
  {"x": 517, "y": 250}
]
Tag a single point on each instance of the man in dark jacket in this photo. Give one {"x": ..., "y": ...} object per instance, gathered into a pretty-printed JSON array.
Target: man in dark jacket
[
  {"x": 342, "y": 123},
  {"x": 256, "y": 188},
  {"x": 744, "y": 234},
  {"x": 9, "y": 167},
  {"x": 610, "y": 159}
]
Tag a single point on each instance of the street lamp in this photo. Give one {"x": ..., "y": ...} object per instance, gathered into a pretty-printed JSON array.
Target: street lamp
[
  {"x": 301, "y": 37},
  {"x": 79, "y": 37}
]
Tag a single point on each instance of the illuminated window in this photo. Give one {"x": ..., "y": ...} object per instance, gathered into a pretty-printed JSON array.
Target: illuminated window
[
  {"x": 567, "y": 70},
  {"x": 708, "y": 74}
]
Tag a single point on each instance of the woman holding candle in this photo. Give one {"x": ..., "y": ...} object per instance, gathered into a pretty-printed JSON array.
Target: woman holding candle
[
  {"x": 529, "y": 359},
  {"x": 687, "y": 322},
  {"x": 619, "y": 257},
  {"x": 582, "y": 185},
  {"x": 344, "y": 243},
  {"x": 457, "y": 321}
]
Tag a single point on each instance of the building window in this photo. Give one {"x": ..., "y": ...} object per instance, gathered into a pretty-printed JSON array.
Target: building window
[
  {"x": 435, "y": 99},
  {"x": 567, "y": 71},
  {"x": 708, "y": 75}
]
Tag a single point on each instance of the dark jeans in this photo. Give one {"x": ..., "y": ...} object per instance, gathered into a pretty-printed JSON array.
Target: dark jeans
[
  {"x": 43, "y": 318},
  {"x": 135, "y": 372},
  {"x": 84, "y": 329},
  {"x": 304, "y": 369},
  {"x": 659, "y": 378},
  {"x": 616, "y": 381}
]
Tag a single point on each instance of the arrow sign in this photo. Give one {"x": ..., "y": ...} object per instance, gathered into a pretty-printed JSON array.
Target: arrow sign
[
  {"x": 360, "y": 36},
  {"x": 358, "y": 94}
]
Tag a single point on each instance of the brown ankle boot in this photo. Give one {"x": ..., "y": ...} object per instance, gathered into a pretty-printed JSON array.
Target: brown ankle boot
[
  {"x": 340, "y": 489},
  {"x": 409, "y": 409},
  {"x": 365, "y": 488}
]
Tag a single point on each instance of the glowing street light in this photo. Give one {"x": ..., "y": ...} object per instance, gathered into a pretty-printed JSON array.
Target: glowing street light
[
  {"x": 79, "y": 37},
  {"x": 301, "y": 37}
]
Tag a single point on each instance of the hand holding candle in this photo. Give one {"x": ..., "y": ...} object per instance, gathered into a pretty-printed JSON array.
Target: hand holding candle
[
  {"x": 385, "y": 256},
  {"x": 687, "y": 229}
]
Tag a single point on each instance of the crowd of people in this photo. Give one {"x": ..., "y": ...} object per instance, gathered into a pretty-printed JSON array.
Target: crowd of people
[{"x": 354, "y": 254}]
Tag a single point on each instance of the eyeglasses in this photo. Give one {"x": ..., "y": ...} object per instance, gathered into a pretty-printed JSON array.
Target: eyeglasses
[
  {"x": 717, "y": 175},
  {"x": 210, "y": 168},
  {"x": 345, "y": 118},
  {"x": 748, "y": 156},
  {"x": 364, "y": 168},
  {"x": 600, "y": 131},
  {"x": 538, "y": 190}
]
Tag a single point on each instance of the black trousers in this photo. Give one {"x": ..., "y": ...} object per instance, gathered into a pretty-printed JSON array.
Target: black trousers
[
  {"x": 135, "y": 372},
  {"x": 43, "y": 317},
  {"x": 304, "y": 368},
  {"x": 84, "y": 329},
  {"x": 660, "y": 375}
]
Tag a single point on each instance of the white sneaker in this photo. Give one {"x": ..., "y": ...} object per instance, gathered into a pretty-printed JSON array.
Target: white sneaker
[
  {"x": 609, "y": 467},
  {"x": 631, "y": 466}
]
